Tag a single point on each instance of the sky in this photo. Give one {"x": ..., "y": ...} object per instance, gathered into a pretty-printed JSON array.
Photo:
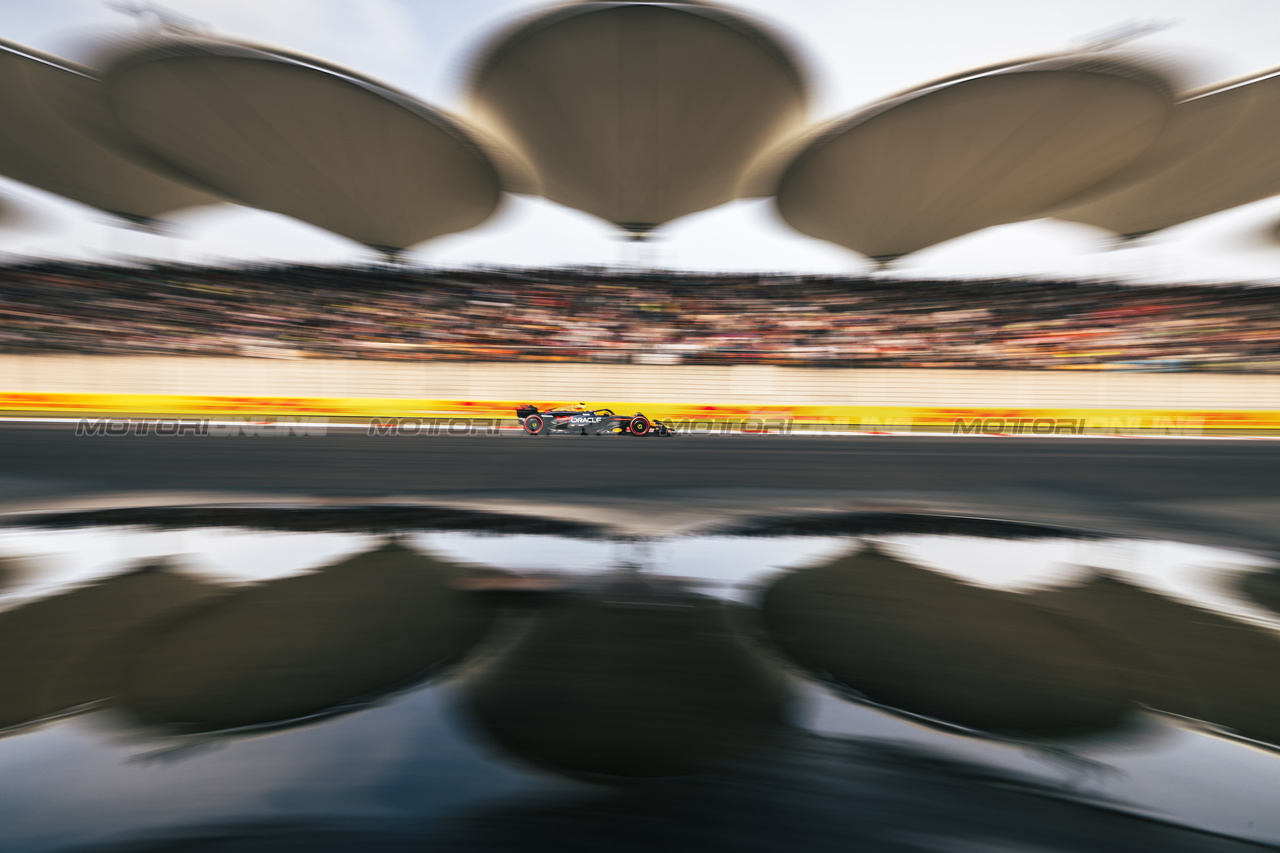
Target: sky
[{"x": 856, "y": 52}]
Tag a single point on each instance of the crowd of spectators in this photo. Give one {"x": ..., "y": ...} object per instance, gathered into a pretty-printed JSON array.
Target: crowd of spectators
[{"x": 612, "y": 316}]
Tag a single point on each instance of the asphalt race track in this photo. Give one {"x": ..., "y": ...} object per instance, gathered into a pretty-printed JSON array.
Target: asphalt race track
[{"x": 37, "y": 459}]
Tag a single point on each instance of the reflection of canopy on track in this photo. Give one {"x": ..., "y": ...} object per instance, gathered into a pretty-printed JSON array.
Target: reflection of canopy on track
[
  {"x": 971, "y": 152},
  {"x": 1182, "y": 659},
  {"x": 1219, "y": 152},
  {"x": 40, "y": 148},
  {"x": 636, "y": 680},
  {"x": 927, "y": 644},
  {"x": 306, "y": 645},
  {"x": 15, "y": 216},
  {"x": 304, "y": 138},
  {"x": 64, "y": 651},
  {"x": 638, "y": 112}
]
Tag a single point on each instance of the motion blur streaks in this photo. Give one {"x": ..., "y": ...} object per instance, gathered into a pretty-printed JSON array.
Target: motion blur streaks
[
  {"x": 67, "y": 651},
  {"x": 41, "y": 147},
  {"x": 916, "y": 641},
  {"x": 963, "y": 155},
  {"x": 1182, "y": 659},
  {"x": 618, "y": 317},
  {"x": 305, "y": 645},
  {"x": 879, "y": 800},
  {"x": 1215, "y": 155},
  {"x": 343, "y": 516},
  {"x": 639, "y": 679},
  {"x": 1264, "y": 588},
  {"x": 639, "y": 113},
  {"x": 664, "y": 697},
  {"x": 300, "y": 137},
  {"x": 14, "y": 570}
]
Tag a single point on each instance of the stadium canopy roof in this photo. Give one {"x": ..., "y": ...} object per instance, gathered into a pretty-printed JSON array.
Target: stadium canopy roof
[
  {"x": 1218, "y": 152},
  {"x": 41, "y": 148},
  {"x": 638, "y": 113},
  {"x": 995, "y": 146},
  {"x": 302, "y": 137}
]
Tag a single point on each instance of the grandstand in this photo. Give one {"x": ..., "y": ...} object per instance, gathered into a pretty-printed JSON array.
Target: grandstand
[{"x": 610, "y": 316}]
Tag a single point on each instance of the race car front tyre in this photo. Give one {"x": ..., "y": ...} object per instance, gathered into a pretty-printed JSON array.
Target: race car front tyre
[
  {"x": 535, "y": 425},
  {"x": 639, "y": 425}
]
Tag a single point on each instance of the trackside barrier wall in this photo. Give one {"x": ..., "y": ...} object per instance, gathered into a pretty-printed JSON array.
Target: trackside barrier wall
[
  {"x": 699, "y": 398},
  {"x": 962, "y": 421}
]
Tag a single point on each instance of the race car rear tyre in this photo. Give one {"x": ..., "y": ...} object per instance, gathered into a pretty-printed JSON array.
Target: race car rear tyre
[
  {"x": 639, "y": 425},
  {"x": 535, "y": 425}
]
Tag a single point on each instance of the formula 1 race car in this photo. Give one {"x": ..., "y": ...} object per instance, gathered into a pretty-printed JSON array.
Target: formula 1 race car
[{"x": 579, "y": 420}]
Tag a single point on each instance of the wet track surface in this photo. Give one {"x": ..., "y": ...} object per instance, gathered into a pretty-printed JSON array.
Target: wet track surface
[
  {"x": 207, "y": 686},
  {"x": 755, "y": 643}
]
